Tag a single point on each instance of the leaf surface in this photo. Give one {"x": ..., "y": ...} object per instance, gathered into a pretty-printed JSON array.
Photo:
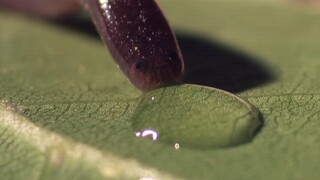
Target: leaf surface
[{"x": 67, "y": 111}]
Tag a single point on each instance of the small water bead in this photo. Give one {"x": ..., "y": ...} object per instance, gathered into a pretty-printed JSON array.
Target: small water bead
[{"x": 196, "y": 117}]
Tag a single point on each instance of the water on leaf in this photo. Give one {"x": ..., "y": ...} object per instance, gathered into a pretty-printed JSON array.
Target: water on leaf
[{"x": 195, "y": 117}]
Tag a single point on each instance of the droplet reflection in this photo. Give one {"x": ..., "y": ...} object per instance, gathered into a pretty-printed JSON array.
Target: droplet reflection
[
  {"x": 154, "y": 135},
  {"x": 176, "y": 146},
  {"x": 148, "y": 133}
]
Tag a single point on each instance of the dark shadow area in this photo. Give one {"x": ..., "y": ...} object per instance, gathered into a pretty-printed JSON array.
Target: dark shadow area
[
  {"x": 216, "y": 65},
  {"x": 207, "y": 62}
]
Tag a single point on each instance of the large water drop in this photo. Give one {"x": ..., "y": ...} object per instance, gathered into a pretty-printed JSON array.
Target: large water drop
[{"x": 195, "y": 117}]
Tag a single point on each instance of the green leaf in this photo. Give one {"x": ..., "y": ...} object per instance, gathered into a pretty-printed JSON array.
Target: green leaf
[{"x": 67, "y": 112}]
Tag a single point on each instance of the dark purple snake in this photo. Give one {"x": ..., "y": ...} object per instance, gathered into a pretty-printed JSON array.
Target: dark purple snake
[{"x": 135, "y": 31}]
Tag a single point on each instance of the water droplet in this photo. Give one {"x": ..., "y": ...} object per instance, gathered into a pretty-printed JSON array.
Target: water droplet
[{"x": 195, "y": 117}]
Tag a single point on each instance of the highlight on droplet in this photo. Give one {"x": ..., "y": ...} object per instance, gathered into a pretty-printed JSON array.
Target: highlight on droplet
[
  {"x": 176, "y": 146},
  {"x": 147, "y": 133}
]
